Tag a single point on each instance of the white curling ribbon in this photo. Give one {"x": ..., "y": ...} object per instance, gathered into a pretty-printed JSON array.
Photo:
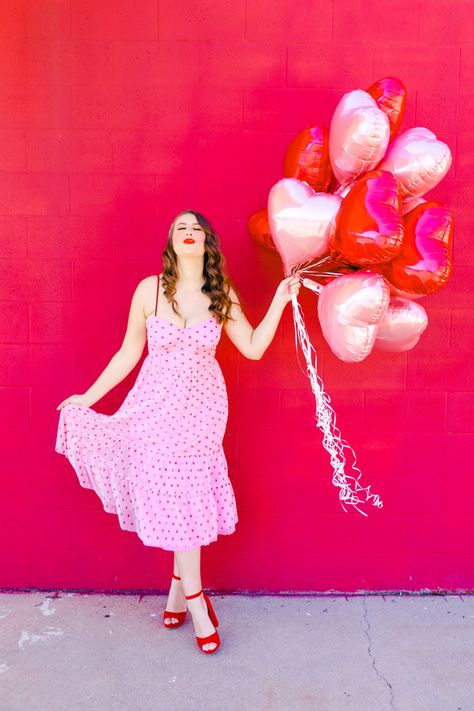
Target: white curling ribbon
[{"x": 350, "y": 488}]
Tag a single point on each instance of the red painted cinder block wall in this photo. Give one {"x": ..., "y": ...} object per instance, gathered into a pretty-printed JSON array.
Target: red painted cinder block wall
[{"x": 115, "y": 116}]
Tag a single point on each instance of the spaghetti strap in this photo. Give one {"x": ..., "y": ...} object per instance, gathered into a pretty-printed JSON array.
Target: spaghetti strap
[{"x": 157, "y": 290}]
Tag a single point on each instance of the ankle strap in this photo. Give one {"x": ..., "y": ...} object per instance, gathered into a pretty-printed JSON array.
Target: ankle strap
[
  {"x": 176, "y": 577},
  {"x": 190, "y": 597}
]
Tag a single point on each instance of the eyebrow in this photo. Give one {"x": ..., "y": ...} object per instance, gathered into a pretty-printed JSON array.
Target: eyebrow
[{"x": 183, "y": 223}]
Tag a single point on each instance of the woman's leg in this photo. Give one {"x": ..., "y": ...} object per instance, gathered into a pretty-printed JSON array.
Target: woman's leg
[
  {"x": 176, "y": 600},
  {"x": 189, "y": 565},
  {"x": 176, "y": 567}
]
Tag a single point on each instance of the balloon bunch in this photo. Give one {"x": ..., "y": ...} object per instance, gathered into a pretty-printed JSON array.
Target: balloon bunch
[{"x": 350, "y": 212}]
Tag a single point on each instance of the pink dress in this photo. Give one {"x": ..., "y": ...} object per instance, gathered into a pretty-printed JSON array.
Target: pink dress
[{"x": 158, "y": 461}]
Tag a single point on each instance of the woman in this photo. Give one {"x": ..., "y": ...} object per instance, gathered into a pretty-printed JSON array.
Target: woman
[{"x": 158, "y": 462}]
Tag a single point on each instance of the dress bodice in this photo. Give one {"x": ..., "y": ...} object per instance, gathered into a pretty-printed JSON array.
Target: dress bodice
[{"x": 170, "y": 343}]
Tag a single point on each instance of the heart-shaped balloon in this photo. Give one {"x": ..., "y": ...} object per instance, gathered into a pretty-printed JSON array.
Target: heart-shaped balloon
[
  {"x": 307, "y": 158},
  {"x": 390, "y": 95},
  {"x": 401, "y": 326},
  {"x": 358, "y": 136},
  {"x": 369, "y": 227},
  {"x": 424, "y": 262},
  {"x": 301, "y": 221},
  {"x": 260, "y": 229},
  {"x": 350, "y": 308},
  {"x": 418, "y": 160}
]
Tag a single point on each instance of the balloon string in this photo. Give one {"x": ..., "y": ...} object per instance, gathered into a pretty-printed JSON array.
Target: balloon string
[
  {"x": 321, "y": 274},
  {"x": 326, "y": 421},
  {"x": 302, "y": 267}
]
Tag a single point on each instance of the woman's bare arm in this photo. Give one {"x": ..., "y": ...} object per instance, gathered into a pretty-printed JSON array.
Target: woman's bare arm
[
  {"x": 253, "y": 342},
  {"x": 129, "y": 353}
]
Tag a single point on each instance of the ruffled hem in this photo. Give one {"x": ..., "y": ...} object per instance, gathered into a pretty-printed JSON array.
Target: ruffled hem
[{"x": 173, "y": 512}]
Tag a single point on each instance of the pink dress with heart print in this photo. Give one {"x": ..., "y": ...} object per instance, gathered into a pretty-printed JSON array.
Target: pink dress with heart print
[{"x": 158, "y": 462}]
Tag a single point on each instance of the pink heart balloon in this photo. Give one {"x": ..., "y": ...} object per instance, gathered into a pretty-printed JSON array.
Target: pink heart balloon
[
  {"x": 350, "y": 308},
  {"x": 358, "y": 136},
  {"x": 418, "y": 160},
  {"x": 401, "y": 326},
  {"x": 301, "y": 221}
]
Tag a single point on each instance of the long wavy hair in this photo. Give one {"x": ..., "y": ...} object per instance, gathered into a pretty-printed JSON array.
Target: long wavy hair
[{"x": 217, "y": 281}]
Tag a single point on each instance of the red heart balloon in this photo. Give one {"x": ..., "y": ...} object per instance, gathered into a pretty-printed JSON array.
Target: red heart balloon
[
  {"x": 260, "y": 230},
  {"x": 424, "y": 263},
  {"x": 307, "y": 158},
  {"x": 369, "y": 227},
  {"x": 390, "y": 95}
]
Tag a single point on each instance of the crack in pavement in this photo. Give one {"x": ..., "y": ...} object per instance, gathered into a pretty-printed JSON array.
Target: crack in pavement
[{"x": 372, "y": 658}]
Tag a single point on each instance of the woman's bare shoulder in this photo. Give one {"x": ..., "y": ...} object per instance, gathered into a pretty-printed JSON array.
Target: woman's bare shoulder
[{"x": 147, "y": 282}]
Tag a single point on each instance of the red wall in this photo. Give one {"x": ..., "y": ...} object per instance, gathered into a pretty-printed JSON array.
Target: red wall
[{"x": 115, "y": 116}]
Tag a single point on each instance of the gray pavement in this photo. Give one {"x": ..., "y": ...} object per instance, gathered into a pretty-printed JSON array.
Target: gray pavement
[{"x": 67, "y": 651}]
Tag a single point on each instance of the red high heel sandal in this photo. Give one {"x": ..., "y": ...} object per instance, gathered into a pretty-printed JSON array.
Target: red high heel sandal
[
  {"x": 180, "y": 616},
  {"x": 214, "y": 637}
]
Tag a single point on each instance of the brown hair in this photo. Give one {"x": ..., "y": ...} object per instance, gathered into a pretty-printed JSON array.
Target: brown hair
[{"x": 217, "y": 282}]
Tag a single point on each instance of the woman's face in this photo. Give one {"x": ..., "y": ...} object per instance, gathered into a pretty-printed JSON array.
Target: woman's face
[{"x": 188, "y": 236}]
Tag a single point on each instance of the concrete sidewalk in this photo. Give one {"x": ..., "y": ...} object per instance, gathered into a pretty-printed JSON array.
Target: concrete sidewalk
[{"x": 63, "y": 651}]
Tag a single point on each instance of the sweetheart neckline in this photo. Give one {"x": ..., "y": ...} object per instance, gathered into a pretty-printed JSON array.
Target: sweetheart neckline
[{"x": 180, "y": 328}]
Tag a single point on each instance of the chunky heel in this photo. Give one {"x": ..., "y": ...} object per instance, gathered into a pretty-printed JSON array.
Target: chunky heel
[
  {"x": 180, "y": 616},
  {"x": 214, "y": 637}
]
